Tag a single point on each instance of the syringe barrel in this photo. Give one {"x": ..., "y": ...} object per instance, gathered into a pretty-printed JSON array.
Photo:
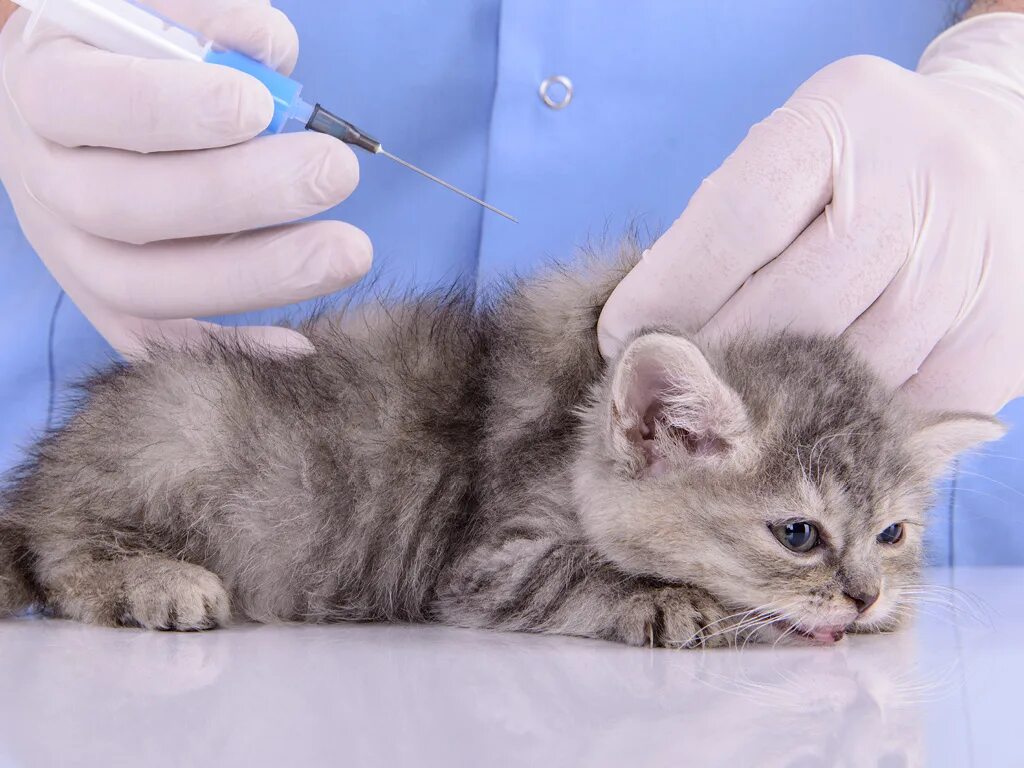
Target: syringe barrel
[
  {"x": 127, "y": 27},
  {"x": 287, "y": 93},
  {"x": 120, "y": 26}
]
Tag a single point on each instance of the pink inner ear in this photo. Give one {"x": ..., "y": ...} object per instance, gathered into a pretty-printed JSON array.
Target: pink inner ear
[
  {"x": 673, "y": 404},
  {"x": 695, "y": 443}
]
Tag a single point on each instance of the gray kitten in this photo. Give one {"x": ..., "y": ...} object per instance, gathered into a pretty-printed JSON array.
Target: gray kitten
[{"x": 481, "y": 465}]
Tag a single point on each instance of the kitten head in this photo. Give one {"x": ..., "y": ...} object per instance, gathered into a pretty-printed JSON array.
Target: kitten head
[{"x": 781, "y": 475}]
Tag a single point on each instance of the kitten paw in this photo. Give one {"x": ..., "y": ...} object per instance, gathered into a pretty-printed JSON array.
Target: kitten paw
[
  {"x": 149, "y": 591},
  {"x": 176, "y": 596},
  {"x": 676, "y": 617}
]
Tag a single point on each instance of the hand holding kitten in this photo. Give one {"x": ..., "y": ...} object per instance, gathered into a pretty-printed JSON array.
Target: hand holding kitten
[{"x": 878, "y": 203}]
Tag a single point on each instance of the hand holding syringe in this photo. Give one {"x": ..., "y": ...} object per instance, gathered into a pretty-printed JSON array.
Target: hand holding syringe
[
  {"x": 136, "y": 183},
  {"x": 123, "y": 26}
]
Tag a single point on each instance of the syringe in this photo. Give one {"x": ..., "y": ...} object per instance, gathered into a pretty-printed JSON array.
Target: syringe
[{"x": 128, "y": 27}]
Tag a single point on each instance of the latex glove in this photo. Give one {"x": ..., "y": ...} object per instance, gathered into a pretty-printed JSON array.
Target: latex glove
[
  {"x": 877, "y": 203},
  {"x": 137, "y": 185}
]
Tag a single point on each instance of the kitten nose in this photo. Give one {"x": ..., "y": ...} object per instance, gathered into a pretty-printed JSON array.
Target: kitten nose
[{"x": 863, "y": 600}]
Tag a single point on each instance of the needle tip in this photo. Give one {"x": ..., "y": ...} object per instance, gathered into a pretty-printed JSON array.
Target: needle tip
[{"x": 446, "y": 185}]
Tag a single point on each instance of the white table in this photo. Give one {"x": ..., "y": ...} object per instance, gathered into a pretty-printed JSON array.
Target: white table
[{"x": 946, "y": 692}]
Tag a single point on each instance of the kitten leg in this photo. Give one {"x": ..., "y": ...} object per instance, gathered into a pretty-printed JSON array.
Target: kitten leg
[
  {"x": 150, "y": 591},
  {"x": 536, "y": 585}
]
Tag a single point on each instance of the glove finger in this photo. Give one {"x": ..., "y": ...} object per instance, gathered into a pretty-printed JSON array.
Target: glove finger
[
  {"x": 902, "y": 327},
  {"x": 746, "y": 213},
  {"x": 820, "y": 284},
  {"x": 241, "y": 273},
  {"x": 252, "y": 27},
  {"x": 199, "y": 277},
  {"x": 145, "y": 198},
  {"x": 76, "y": 95},
  {"x": 961, "y": 373},
  {"x": 134, "y": 336},
  {"x": 979, "y": 362}
]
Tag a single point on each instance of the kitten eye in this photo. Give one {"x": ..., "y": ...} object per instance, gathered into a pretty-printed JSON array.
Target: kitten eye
[
  {"x": 800, "y": 536},
  {"x": 892, "y": 534}
]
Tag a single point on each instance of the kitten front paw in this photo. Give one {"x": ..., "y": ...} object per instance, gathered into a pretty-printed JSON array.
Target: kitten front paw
[
  {"x": 174, "y": 595},
  {"x": 674, "y": 617},
  {"x": 149, "y": 591}
]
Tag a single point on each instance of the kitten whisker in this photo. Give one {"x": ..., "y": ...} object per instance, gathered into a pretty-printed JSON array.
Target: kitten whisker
[
  {"x": 784, "y": 635},
  {"x": 1000, "y": 483},
  {"x": 745, "y": 620},
  {"x": 952, "y": 598}
]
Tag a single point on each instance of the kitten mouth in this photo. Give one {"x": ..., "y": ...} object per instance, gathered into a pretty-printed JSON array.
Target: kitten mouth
[{"x": 824, "y": 635}]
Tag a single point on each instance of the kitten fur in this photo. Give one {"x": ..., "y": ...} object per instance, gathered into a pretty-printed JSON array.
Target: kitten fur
[{"x": 440, "y": 459}]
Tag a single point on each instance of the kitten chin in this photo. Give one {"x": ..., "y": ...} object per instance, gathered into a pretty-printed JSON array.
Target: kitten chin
[{"x": 478, "y": 463}]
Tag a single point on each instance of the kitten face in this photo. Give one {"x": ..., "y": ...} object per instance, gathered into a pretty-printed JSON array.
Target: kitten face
[{"x": 779, "y": 475}]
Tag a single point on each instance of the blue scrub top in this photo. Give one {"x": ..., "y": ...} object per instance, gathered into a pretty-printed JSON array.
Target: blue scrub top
[{"x": 663, "y": 91}]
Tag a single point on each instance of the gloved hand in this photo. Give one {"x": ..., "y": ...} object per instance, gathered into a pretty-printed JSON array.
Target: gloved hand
[
  {"x": 137, "y": 183},
  {"x": 877, "y": 203}
]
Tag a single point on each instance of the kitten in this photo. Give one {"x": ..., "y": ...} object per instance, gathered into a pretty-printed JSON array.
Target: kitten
[{"x": 482, "y": 466}]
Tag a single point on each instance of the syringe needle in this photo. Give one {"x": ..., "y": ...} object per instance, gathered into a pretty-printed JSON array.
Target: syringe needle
[
  {"x": 446, "y": 185},
  {"x": 324, "y": 121}
]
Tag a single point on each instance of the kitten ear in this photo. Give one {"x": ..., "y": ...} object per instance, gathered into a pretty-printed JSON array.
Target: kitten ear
[
  {"x": 668, "y": 403},
  {"x": 943, "y": 436}
]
